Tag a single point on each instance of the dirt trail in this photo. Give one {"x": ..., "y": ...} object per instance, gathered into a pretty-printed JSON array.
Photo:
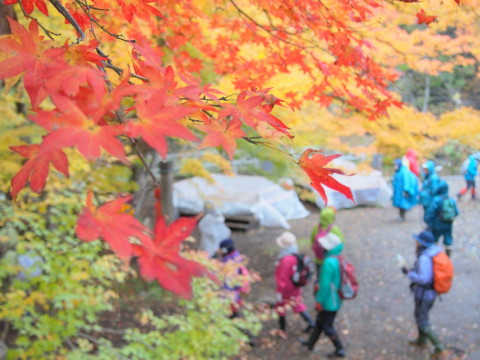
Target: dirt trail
[{"x": 377, "y": 324}]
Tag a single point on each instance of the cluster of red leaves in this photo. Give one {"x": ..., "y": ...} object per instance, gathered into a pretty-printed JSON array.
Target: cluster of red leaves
[
  {"x": 159, "y": 258},
  {"x": 89, "y": 117}
]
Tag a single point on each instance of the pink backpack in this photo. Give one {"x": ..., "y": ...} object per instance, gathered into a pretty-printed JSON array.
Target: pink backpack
[{"x": 349, "y": 284}]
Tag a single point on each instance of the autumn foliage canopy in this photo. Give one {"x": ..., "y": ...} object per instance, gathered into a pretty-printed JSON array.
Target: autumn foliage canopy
[{"x": 130, "y": 71}]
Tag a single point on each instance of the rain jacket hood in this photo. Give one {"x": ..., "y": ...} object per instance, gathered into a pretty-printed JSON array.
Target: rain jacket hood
[
  {"x": 327, "y": 217},
  {"x": 442, "y": 188},
  {"x": 430, "y": 166}
]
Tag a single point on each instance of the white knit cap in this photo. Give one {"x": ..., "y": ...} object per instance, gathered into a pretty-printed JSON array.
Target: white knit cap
[
  {"x": 330, "y": 241},
  {"x": 286, "y": 239}
]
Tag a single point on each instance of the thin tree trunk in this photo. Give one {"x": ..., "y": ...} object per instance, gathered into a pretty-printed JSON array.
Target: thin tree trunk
[
  {"x": 426, "y": 95},
  {"x": 5, "y": 10}
]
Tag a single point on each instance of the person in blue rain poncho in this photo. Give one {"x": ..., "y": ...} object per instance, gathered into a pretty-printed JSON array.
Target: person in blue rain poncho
[
  {"x": 430, "y": 182},
  {"x": 405, "y": 189}
]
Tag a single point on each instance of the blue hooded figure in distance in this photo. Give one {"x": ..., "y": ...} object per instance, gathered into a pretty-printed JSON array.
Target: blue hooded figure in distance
[
  {"x": 429, "y": 184},
  {"x": 405, "y": 188}
]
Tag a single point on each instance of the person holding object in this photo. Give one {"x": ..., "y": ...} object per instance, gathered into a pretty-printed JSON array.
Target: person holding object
[
  {"x": 328, "y": 301},
  {"x": 288, "y": 295},
  {"x": 424, "y": 294}
]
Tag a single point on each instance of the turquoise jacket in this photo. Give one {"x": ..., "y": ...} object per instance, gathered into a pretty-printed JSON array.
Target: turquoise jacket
[
  {"x": 429, "y": 185},
  {"x": 471, "y": 169},
  {"x": 405, "y": 188},
  {"x": 329, "y": 281}
]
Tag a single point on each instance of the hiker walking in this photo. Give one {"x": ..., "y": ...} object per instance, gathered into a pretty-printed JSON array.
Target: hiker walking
[
  {"x": 421, "y": 277},
  {"x": 328, "y": 301},
  {"x": 405, "y": 189},
  {"x": 430, "y": 181},
  {"x": 237, "y": 278},
  {"x": 469, "y": 171},
  {"x": 288, "y": 295},
  {"x": 325, "y": 226},
  {"x": 440, "y": 215}
]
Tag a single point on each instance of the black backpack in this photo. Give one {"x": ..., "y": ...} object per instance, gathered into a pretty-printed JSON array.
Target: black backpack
[{"x": 303, "y": 271}]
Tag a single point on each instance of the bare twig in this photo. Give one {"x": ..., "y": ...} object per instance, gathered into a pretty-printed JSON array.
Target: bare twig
[
  {"x": 62, "y": 10},
  {"x": 28, "y": 16}
]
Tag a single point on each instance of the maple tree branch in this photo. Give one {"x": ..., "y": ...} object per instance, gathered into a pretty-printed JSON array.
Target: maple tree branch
[
  {"x": 28, "y": 16},
  {"x": 264, "y": 27},
  {"x": 62, "y": 10},
  {"x": 86, "y": 9}
]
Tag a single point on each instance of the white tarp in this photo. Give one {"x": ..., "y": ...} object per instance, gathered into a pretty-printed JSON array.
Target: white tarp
[
  {"x": 368, "y": 187},
  {"x": 240, "y": 195}
]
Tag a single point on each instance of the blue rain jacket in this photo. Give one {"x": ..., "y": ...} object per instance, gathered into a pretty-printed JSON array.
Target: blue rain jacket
[
  {"x": 472, "y": 169},
  {"x": 432, "y": 214},
  {"x": 405, "y": 188},
  {"x": 429, "y": 185}
]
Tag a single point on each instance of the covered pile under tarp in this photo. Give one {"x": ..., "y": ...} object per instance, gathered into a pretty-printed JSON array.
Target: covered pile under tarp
[
  {"x": 240, "y": 195},
  {"x": 368, "y": 187}
]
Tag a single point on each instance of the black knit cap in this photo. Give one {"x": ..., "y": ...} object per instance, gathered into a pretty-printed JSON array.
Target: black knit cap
[{"x": 227, "y": 246}]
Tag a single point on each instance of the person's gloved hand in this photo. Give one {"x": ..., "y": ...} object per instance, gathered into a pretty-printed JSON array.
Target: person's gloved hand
[
  {"x": 404, "y": 270},
  {"x": 278, "y": 297},
  {"x": 318, "y": 306}
]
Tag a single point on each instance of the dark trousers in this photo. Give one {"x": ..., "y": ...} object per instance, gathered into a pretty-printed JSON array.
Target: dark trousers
[
  {"x": 324, "y": 323},
  {"x": 422, "y": 308}
]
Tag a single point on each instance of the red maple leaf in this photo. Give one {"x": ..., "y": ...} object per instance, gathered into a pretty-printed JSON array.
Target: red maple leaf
[
  {"x": 313, "y": 162},
  {"x": 84, "y": 129},
  {"x": 161, "y": 259},
  {"x": 110, "y": 223},
  {"x": 222, "y": 133},
  {"x": 157, "y": 120},
  {"x": 28, "y": 5},
  {"x": 37, "y": 167},
  {"x": 251, "y": 110},
  {"x": 31, "y": 54},
  {"x": 423, "y": 18}
]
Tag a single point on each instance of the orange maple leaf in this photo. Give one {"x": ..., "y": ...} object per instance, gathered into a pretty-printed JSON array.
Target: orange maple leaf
[
  {"x": 222, "y": 133},
  {"x": 423, "y": 18},
  {"x": 313, "y": 162},
  {"x": 139, "y": 8},
  {"x": 161, "y": 259},
  {"x": 37, "y": 167},
  {"x": 110, "y": 223}
]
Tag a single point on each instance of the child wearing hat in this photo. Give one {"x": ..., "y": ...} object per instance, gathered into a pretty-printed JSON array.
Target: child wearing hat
[
  {"x": 238, "y": 282},
  {"x": 328, "y": 301},
  {"x": 288, "y": 295}
]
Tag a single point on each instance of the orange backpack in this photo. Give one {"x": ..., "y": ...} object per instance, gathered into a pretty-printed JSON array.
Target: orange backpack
[{"x": 442, "y": 273}]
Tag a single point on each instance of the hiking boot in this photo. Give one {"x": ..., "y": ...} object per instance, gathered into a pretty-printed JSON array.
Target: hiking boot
[
  {"x": 340, "y": 353},
  {"x": 439, "y": 355},
  {"x": 421, "y": 343},
  {"x": 305, "y": 343},
  {"x": 433, "y": 337}
]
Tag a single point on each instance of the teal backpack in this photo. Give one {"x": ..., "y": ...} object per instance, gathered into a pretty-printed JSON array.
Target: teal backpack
[{"x": 448, "y": 210}]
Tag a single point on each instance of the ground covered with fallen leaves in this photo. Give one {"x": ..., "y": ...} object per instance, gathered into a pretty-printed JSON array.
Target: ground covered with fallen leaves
[{"x": 378, "y": 323}]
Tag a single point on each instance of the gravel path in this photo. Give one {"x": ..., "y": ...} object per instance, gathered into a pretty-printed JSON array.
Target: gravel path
[{"x": 377, "y": 324}]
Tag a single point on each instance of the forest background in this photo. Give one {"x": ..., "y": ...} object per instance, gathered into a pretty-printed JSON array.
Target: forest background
[{"x": 357, "y": 77}]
